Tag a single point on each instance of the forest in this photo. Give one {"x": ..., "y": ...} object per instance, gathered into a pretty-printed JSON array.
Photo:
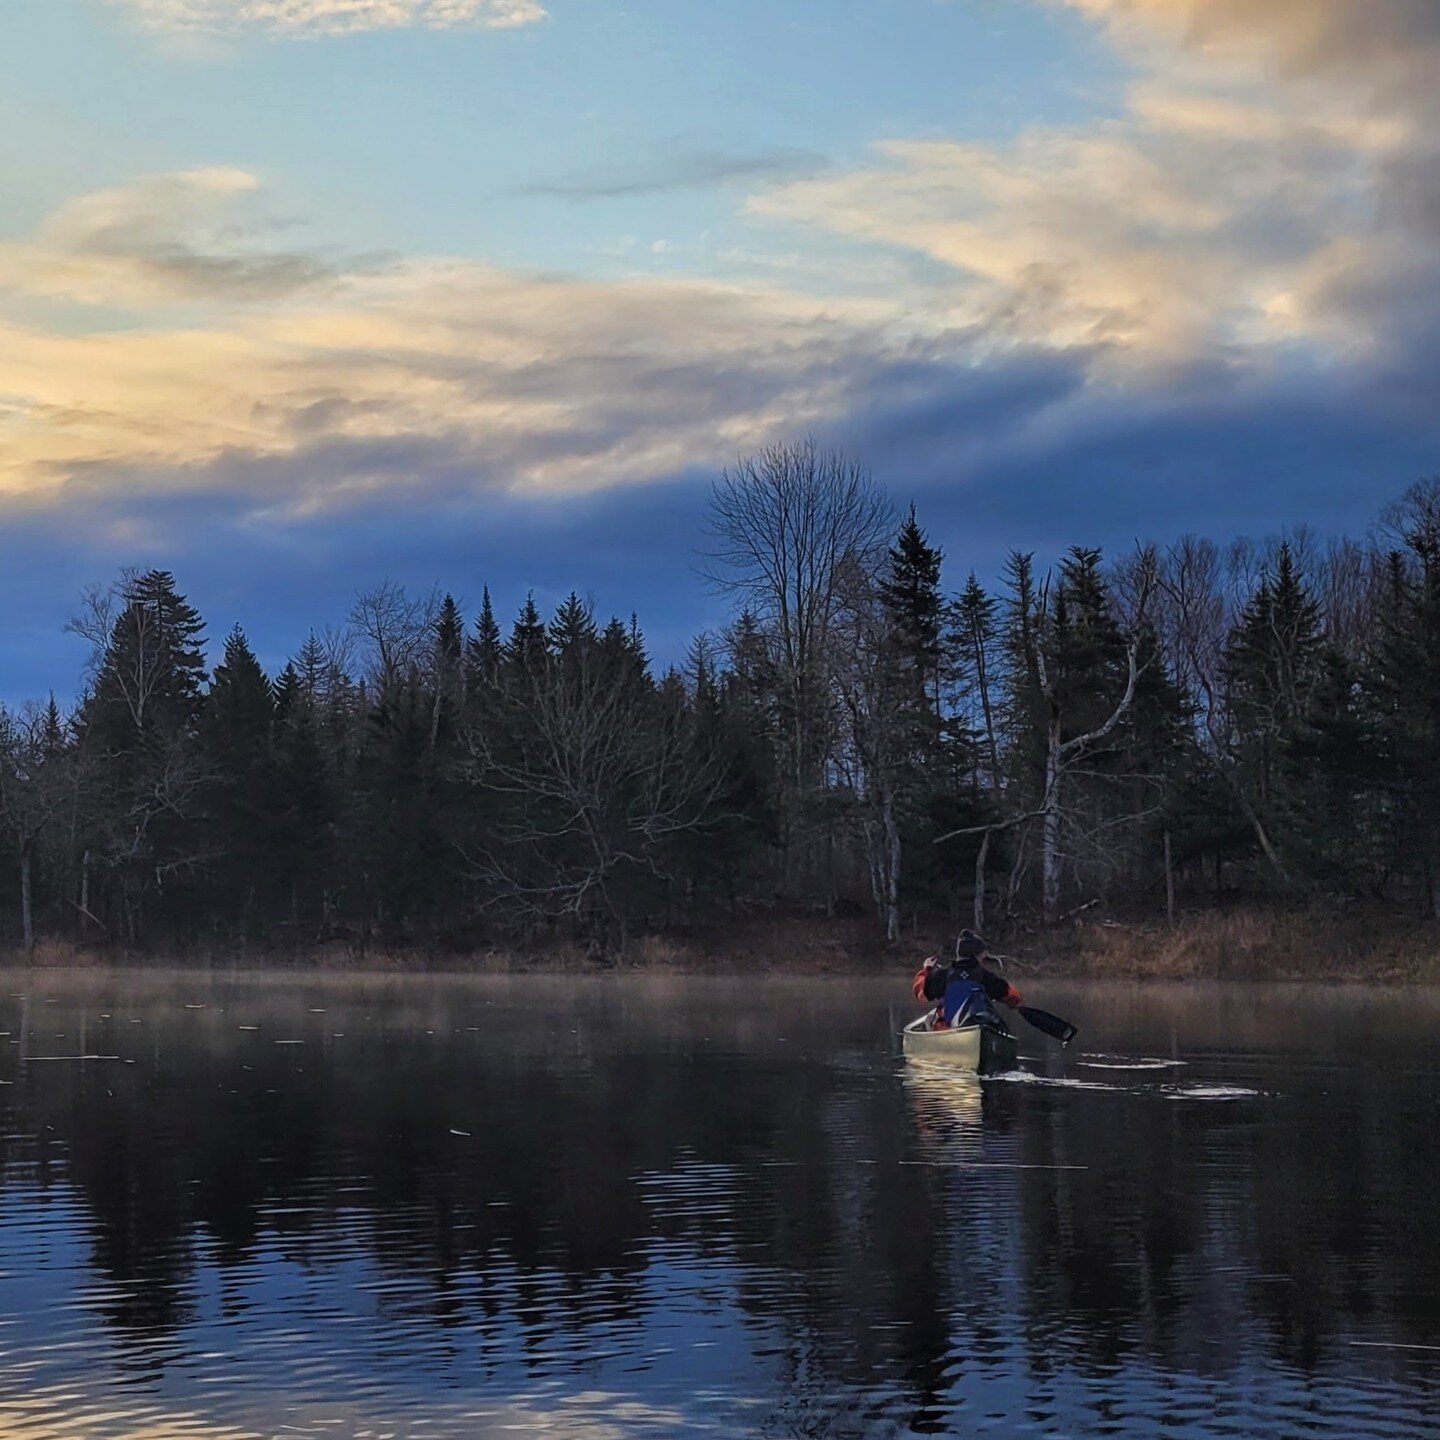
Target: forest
[{"x": 1186, "y": 726}]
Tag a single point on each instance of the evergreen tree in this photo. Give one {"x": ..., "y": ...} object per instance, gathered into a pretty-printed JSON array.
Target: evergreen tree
[
  {"x": 241, "y": 784},
  {"x": 1085, "y": 651},
  {"x": 486, "y": 651},
  {"x": 449, "y": 633},
  {"x": 1336, "y": 829},
  {"x": 307, "y": 807},
  {"x": 529, "y": 645},
  {"x": 138, "y": 726},
  {"x": 447, "y": 679},
  {"x": 971, "y": 662},
  {"x": 311, "y": 667},
  {"x": 1273, "y": 667},
  {"x": 240, "y": 704},
  {"x": 398, "y": 839},
  {"x": 621, "y": 649},
  {"x": 52, "y": 731},
  {"x": 1024, "y": 711},
  {"x": 572, "y": 632},
  {"x": 1404, "y": 689},
  {"x": 289, "y": 692},
  {"x": 150, "y": 679},
  {"x": 910, "y": 592}
]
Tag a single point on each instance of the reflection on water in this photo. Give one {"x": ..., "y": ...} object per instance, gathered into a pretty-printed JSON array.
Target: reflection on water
[{"x": 630, "y": 1207}]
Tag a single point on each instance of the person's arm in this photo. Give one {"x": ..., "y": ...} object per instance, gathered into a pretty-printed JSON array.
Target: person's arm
[
  {"x": 1000, "y": 989},
  {"x": 922, "y": 975}
]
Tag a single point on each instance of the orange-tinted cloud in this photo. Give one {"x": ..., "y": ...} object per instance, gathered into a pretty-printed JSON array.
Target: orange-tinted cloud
[
  {"x": 1271, "y": 156},
  {"x": 548, "y": 383}
]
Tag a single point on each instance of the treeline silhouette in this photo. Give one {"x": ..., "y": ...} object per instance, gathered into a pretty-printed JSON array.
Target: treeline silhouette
[{"x": 1180, "y": 724}]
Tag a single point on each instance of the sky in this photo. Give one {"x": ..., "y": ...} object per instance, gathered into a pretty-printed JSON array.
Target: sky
[{"x": 298, "y": 296}]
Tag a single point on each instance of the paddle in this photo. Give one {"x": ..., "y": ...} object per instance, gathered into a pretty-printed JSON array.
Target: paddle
[
  {"x": 1043, "y": 1020},
  {"x": 1052, "y": 1025}
]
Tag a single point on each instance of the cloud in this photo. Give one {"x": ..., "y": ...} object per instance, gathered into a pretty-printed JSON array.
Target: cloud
[
  {"x": 309, "y": 18},
  {"x": 685, "y": 171},
  {"x": 1269, "y": 164},
  {"x": 1388, "y": 45},
  {"x": 1154, "y": 245},
  {"x": 186, "y": 237},
  {"x": 1245, "y": 252},
  {"x": 308, "y": 385}
]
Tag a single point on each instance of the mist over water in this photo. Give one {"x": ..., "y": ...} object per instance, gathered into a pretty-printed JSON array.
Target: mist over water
[{"x": 639, "y": 1206}]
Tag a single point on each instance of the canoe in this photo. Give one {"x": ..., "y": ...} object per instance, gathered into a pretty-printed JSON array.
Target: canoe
[{"x": 981, "y": 1048}]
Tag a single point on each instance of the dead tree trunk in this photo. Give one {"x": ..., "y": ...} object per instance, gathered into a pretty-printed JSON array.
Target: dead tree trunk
[
  {"x": 980, "y": 857},
  {"x": 1050, "y": 846},
  {"x": 1060, "y": 752},
  {"x": 985, "y": 832},
  {"x": 1169, "y": 884},
  {"x": 27, "y": 918},
  {"x": 891, "y": 856}
]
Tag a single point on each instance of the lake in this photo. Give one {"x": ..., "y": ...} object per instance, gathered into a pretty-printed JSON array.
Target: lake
[{"x": 281, "y": 1206}]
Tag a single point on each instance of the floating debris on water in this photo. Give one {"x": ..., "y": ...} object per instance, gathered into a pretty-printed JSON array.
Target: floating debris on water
[
  {"x": 1209, "y": 1092},
  {"x": 988, "y": 1165},
  {"x": 38, "y": 1059},
  {"x": 1061, "y": 1082},
  {"x": 1144, "y": 1062},
  {"x": 1394, "y": 1345}
]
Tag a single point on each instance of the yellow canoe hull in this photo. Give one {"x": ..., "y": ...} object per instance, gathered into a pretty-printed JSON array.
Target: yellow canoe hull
[{"x": 980, "y": 1048}]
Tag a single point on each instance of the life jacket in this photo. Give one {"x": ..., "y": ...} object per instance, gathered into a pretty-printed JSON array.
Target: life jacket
[{"x": 965, "y": 999}]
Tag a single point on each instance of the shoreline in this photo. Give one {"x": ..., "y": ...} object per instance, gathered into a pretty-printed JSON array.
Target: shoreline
[{"x": 1241, "y": 945}]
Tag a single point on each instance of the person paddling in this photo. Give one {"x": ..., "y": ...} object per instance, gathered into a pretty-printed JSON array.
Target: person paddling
[{"x": 964, "y": 989}]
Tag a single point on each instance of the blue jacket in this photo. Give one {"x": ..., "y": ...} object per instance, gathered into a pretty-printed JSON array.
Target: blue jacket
[{"x": 965, "y": 999}]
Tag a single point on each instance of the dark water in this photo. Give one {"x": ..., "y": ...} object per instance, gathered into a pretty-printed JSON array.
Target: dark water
[{"x": 484, "y": 1209}]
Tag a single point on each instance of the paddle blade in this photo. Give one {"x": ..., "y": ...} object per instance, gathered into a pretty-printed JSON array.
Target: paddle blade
[{"x": 1052, "y": 1025}]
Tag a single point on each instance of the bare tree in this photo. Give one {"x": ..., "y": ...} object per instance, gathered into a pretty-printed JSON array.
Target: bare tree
[
  {"x": 110, "y": 621},
  {"x": 1050, "y": 712},
  {"x": 394, "y": 630},
  {"x": 591, "y": 777},
  {"x": 1349, "y": 583},
  {"x": 873, "y": 746},
  {"x": 784, "y": 525},
  {"x": 1200, "y": 596}
]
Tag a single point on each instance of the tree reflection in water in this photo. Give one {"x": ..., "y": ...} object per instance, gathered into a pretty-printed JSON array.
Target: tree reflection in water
[{"x": 710, "y": 1201}]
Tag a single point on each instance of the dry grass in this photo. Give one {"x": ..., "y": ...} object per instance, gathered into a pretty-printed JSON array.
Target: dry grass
[
  {"x": 57, "y": 955},
  {"x": 1239, "y": 944},
  {"x": 655, "y": 952},
  {"x": 1254, "y": 944}
]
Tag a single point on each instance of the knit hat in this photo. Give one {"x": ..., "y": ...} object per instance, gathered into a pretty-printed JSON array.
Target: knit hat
[{"x": 969, "y": 946}]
